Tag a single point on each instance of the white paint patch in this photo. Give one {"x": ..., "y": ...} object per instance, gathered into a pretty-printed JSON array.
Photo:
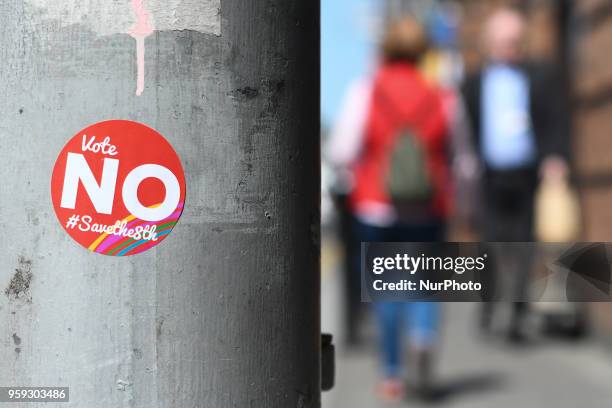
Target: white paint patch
[
  {"x": 199, "y": 15},
  {"x": 107, "y": 17}
]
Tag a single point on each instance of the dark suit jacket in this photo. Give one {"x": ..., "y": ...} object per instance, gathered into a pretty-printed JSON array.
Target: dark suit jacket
[{"x": 549, "y": 110}]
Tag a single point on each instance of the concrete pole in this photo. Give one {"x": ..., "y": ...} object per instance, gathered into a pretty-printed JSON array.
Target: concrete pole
[{"x": 225, "y": 312}]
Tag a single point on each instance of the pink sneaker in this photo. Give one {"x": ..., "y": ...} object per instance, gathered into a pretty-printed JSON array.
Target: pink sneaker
[{"x": 391, "y": 390}]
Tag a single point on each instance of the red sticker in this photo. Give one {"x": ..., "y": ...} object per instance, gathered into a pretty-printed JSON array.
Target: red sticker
[{"x": 118, "y": 188}]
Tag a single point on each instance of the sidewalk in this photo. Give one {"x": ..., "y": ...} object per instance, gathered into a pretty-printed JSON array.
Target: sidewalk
[{"x": 474, "y": 372}]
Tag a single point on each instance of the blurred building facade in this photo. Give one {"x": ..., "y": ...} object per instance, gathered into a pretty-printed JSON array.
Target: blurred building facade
[{"x": 592, "y": 85}]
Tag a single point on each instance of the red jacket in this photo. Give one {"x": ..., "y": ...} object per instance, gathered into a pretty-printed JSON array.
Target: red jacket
[{"x": 402, "y": 98}]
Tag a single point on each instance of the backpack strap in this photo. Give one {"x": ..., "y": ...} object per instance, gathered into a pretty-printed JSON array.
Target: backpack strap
[{"x": 421, "y": 109}]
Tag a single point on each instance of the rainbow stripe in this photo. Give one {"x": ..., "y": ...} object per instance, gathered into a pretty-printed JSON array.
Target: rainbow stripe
[{"x": 120, "y": 246}]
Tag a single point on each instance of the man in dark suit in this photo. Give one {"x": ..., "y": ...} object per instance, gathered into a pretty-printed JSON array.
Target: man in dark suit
[{"x": 518, "y": 115}]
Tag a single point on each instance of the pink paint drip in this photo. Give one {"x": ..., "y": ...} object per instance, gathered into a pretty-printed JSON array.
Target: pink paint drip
[{"x": 140, "y": 31}]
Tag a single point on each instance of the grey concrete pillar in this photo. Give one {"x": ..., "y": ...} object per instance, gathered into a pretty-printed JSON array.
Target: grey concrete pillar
[{"x": 225, "y": 312}]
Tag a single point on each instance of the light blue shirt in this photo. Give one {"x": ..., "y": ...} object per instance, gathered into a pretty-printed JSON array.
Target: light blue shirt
[{"x": 507, "y": 132}]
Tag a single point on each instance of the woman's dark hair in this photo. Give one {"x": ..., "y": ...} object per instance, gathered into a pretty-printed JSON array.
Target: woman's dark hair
[{"x": 405, "y": 39}]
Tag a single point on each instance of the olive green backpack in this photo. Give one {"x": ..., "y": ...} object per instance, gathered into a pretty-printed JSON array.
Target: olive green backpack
[{"x": 408, "y": 180}]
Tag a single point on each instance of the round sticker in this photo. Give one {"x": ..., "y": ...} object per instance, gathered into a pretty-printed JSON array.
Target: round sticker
[{"x": 118, "y": 188}]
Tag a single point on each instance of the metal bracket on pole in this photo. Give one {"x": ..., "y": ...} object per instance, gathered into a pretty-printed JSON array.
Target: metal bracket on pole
[{"x": 328, "y": 362}]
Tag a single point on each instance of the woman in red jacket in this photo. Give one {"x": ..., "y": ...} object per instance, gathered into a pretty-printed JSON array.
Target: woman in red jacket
[{"x": 401, "y": 191}]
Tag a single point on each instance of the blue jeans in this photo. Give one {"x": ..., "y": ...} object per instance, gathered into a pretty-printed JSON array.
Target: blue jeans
[{"x": 418, "y": 319}]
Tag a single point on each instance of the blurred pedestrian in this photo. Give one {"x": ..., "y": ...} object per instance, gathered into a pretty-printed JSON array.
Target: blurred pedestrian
[
  {"x": 342, "y": 151},
  {"x": 516, "y": 108},
  {"x": 401, "y": 189}
]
